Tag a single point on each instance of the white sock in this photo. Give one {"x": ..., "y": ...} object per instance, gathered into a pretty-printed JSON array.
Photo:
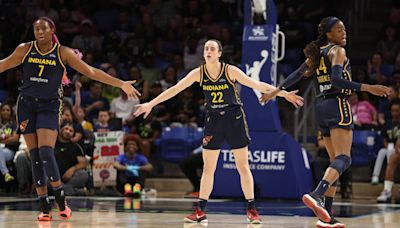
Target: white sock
[{"x": 388, "y": 185}]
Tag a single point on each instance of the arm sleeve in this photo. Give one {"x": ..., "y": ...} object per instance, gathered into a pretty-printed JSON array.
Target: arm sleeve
[
  {"x": 294, "y": 77},
  {"x": 339, "y": 82}
]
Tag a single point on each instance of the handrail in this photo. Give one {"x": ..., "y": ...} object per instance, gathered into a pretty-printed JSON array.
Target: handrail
[{"x": 307, "y": 110}]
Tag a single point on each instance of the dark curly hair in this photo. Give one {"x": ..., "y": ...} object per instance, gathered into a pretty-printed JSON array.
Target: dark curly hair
[{"x": 312, "y": 50}]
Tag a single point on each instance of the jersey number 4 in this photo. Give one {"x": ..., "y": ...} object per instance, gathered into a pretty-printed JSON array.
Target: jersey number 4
[
  {"x": 217, "y": 97},
  {"x": 321, "y": 67}
]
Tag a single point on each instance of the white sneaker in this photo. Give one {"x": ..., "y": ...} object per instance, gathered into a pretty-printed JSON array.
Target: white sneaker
[
  {"x": 375, "y": 180},
  {"x": 385, "y": 197}
]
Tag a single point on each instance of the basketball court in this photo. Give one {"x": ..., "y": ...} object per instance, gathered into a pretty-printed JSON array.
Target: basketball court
[{"x": 169, "y": 212}]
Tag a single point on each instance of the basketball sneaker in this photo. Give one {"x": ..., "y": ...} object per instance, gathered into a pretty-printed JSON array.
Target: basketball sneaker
[
  {"x": 128, "y": 190},
  {"x": 253, "y": 217},
  {"x": 385, "y": 197},
  {"x": 197, "y": 216},
  {"x": 137, "y": 191},
  {"x": 333, "y": 223},
  {"x": 63, "y": 210},
  {"x": 45, "y": 209},
  {"x": 316, "y": 204}
]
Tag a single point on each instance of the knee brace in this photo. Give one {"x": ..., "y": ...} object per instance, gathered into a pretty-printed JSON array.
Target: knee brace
[
  {"x": 49, "y": 163},
  {"x": 38, "y": 174},
  {"x": 341, "y": 163}
]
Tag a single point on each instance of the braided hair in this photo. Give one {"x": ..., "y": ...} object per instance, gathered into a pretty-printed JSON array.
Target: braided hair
[{"x": 312, "y": 50}]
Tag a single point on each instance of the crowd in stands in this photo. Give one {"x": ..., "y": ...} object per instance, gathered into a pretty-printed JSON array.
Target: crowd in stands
[{"x": 156, "y": 42}]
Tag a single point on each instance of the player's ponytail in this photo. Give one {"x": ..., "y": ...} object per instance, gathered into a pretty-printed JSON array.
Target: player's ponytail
[
  {"x": 65, "y": 79},
  {"x": 312, "y": 50}
]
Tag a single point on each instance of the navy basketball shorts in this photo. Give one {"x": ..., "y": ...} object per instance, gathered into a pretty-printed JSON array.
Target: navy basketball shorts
[
  {"x": 226, "y": 125},
  {"x": 35, "y": 113},
  {"x": 333, "y": 112}
]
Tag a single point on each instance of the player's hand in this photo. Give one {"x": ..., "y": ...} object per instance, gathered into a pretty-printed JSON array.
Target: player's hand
[
  {"x": 295, "y": 99},
  {"x": 129, "y": 89},
  {"x": 269, "y": 96},
  {"x": 143, "y": 108},
  {"x": 378, "y": 90}
]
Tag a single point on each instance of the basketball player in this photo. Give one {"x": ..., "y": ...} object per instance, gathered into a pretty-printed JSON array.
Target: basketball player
[
  {"x": 327, "y": 60},
  {"x": 40, "y": 101},
  {"x": 225, "y": 120}
]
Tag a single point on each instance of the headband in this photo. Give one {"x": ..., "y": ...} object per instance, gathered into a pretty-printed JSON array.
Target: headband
[{"x": 331, "y": 22}]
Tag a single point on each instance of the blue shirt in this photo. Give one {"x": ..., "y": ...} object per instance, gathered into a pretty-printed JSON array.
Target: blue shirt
[{"x": 139, "y": 160}]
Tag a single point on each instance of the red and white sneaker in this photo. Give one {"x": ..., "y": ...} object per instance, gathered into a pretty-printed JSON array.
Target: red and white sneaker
[
  {"x": 197, "y": 216},
  {"x": 253, "y": 217},
  {"x": 332, "y": 224},
  {"x": 44, "y": 216}
]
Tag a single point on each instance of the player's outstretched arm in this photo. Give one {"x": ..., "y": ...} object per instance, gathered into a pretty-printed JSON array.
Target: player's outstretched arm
[
  {"x": 96, "y": 74},
  {"x": 193, "y": 76},
  {"x": 236, "y": 74},
  {"x": 15, "y": 58},
  {"x": 292, "y": 79},
  {"x": 338, "y": 55}
]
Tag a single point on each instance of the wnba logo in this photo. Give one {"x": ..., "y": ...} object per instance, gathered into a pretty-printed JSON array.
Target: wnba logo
[{"x": 254, "y": 71}]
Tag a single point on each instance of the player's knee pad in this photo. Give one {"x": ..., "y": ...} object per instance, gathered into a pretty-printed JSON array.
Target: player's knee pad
[
  {"x": 341, "y": 163},
  {"x": 38, "y": 174},
  {"x": 49, "y": 163}
]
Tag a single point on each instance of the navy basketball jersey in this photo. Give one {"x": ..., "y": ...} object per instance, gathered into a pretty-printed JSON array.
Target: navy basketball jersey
[
  {"x": 323, "y": 74},
  {"x": 220, "y": 93},
  {"x": 42, "y": 73}
]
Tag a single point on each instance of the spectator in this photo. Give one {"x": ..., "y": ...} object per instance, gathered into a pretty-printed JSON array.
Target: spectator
[
  {"x": 93, "y": 102},
  {"x": 149, "y": 71},
  {"x": 68, "y": 116},
  {"x": 394, "y": 161},
  {"x": 364, "y": 113},
  {"x": 391, "y": 132},
  {"x": 110, "y": 92},
  {"x": 141, "y": 85},
  {"x": 189, "y": 167},
  {"x": 186, "y": 109},
  {"x": 9, "y": 139},
  {"x": 131, "y": 167},
  {"x": 388, "y": 46},
  {"x": 377, "y": 72},
  {"x": 71, "y": 161},
  {"x": 384, "y": 106},
  {"x": 147, "y": 130},
  {"x": 122, "y": 107},
  {"x": 22, "y": 162},
  {"x": 169, "y": 78},
  {"x": 79, "y": 112},
  {"x": 192, "y": 53},
  {"x": 45, "y": 10},
  {"x": 102, "y": 124},
  {"x": 86, "y": 41}
]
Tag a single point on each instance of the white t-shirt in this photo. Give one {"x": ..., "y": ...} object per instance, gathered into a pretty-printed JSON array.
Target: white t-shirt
[{"x": 123, "y": 108}]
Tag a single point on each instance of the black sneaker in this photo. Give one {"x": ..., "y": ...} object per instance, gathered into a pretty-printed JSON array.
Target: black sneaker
[
  {"x": 333, "y": 223},
  {"x": 316, "y": 204}
]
